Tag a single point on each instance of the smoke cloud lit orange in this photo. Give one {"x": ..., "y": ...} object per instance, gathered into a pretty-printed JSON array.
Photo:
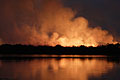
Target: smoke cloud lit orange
[{"x": 57, "y": 25}]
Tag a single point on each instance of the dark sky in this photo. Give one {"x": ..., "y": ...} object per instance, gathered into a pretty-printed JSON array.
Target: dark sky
[{"x": 104, "y": 13}]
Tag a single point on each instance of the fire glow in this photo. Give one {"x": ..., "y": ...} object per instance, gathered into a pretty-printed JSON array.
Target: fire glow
[
  {"x": 60, "y": 27},
  {"x": 57, "y": 25}
]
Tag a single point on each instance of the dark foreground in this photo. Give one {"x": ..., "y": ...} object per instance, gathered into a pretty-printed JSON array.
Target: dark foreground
[{"x": 110, "y": 50}]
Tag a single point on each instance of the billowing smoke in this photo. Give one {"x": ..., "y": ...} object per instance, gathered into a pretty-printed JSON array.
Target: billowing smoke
[{"x": 51, "y": 24}]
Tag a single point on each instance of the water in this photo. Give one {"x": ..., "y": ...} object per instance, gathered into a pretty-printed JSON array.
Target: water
[{"x": 82, "y": 68}]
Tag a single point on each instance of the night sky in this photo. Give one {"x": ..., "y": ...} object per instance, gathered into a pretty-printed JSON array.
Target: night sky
[{"x": 104, "y": 13}]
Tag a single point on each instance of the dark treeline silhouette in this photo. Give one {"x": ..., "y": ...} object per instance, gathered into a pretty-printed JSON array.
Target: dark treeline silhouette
[{"x": 109, "y": 49}]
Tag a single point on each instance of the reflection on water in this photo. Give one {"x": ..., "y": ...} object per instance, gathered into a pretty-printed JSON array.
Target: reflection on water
[{"x": 55, "y": 69}]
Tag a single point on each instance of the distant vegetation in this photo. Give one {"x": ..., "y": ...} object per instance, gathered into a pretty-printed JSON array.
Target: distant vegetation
[{"x": 109, "y": 49}]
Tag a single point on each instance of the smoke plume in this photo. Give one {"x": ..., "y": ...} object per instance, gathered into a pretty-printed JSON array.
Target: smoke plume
[{"x": 51, "y": 24}]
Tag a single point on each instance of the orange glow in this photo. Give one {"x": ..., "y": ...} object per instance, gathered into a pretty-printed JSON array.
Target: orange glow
[
  {"x": 81, "y": 70},
  {"x": 59, "y": 28},
  {"x": 67, "y": 69},
  {"x": 1, "y": 42},
  {"x": 56, "y": 69},
  {"x": 57, "y": 25}
]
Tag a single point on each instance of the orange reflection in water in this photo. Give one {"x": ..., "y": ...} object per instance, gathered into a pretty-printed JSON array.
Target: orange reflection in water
[
  {"x": 69, "y": 69},
  {"x": 55, "y": 69}
]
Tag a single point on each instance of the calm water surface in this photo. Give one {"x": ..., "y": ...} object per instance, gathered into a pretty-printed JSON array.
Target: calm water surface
[{"x": 60, "y": 69}]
